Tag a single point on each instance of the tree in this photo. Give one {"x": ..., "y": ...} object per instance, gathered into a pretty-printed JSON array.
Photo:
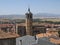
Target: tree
[{"x": 59, "y": 33}]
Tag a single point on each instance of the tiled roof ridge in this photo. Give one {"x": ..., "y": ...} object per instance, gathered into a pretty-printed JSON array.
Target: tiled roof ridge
[{"x": 7, "y": 35}]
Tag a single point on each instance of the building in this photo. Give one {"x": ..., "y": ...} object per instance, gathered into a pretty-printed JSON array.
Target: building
[
  {"x": 51, "y": 36},
  {"x": 8, "y": 38},
  {"x": 33, "y": 40},
  {"x": 7, "y": 28},
  {"x": 29, "y": 19},
  {"x": 25, "y": 40},
  {"x": 44, "y": 41},
  {"x": 28, "y": 28}
]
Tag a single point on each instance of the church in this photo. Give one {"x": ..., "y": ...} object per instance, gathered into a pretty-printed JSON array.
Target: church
[{"x": 29, "y": 28}]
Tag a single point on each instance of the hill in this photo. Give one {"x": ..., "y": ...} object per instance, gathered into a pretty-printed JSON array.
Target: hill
[{"x": 38, "y": 15}]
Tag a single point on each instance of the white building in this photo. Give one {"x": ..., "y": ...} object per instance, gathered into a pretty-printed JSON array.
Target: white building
[
  {"x": 31, "y": 40},
  {"x": 26, "y": 40}
]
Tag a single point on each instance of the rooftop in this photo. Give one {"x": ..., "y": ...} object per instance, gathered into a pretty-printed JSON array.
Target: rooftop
[
  {"x": 56, "y": 41},
  {"x": 52, "y": 37},
  {"x": 4, "y": 35}
]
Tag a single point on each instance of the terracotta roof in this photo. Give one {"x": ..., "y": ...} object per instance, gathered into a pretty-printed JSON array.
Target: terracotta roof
[
  {"x": 4, "y": 35},
  {"x": 47, "y": 34},
  {"x": 6, "y": 25},
  {"x": 43, "y": 35},
  {"x": 53, "y": 38},
  {"x": 56, "y": 41}
]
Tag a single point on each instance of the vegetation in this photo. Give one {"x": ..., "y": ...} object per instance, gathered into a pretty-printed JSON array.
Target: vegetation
[
  {"x": 51, "y": 21},
  {"x": 44, "y": 20},
  {"x": 59, "y": 33}
]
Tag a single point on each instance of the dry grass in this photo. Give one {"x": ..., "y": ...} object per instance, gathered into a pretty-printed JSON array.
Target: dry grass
[{"x": 51, "y": 19}]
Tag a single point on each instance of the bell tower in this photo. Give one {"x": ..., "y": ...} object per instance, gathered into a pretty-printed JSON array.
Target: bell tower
[{"x": 29, "y": 19}]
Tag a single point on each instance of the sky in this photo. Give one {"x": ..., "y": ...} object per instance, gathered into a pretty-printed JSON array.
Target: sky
[{"x": 37, "y": 6}]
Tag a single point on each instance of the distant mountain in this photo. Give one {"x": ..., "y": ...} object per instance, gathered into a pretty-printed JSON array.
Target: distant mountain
[
  {"x": 12, "y": 16},
  {"x": 38, "y": 15},
  {"x": 46, "y": 15}
]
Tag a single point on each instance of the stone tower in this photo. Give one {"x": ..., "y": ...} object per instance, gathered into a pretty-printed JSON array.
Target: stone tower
[{"x": 29, "y": 18}]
